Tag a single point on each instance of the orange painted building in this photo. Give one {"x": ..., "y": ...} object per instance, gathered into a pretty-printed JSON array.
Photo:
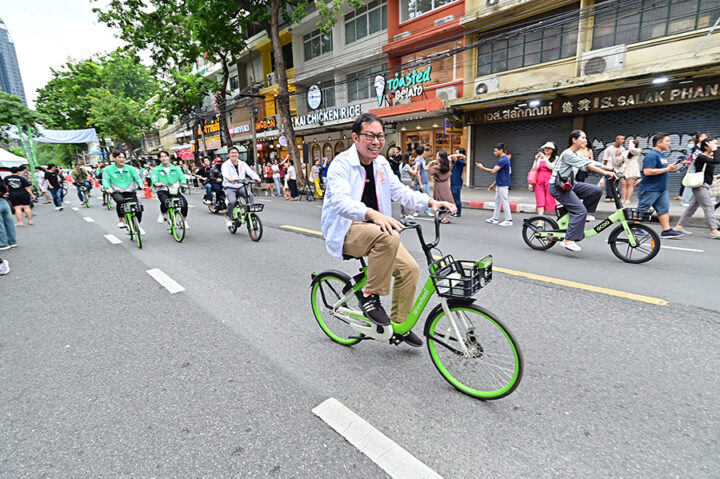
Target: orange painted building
[{"x": 421, "y": 38}]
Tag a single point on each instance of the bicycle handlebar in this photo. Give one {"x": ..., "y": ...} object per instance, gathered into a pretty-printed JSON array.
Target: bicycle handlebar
[{"x": 427, "y": 247}]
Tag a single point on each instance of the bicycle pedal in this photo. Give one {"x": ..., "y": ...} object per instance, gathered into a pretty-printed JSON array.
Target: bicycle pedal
[{"x": 396, "y": 339}]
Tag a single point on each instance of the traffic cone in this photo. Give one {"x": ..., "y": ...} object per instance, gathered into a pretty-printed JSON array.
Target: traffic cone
[
  {"x": 95, "y": 183},
  {"x": 147, "y": 191}
]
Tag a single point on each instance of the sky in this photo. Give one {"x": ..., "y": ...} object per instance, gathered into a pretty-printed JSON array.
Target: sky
[{"x": 48, "y": 32}]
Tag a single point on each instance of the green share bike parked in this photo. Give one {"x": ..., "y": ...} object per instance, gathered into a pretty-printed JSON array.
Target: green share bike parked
[{"x": 469, "y": 346}]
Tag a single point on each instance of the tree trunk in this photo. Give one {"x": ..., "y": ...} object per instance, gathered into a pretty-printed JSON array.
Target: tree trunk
[
  {"x": 283, "y": 98},
  {"x": 196, "y": 151},
  {"x": 222, "y": 115}
]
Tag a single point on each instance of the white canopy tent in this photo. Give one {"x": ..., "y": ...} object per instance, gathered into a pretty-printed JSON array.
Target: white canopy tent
[{"x": 9, "y": 159}]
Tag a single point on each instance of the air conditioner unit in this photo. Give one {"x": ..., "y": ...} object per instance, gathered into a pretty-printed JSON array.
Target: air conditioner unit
[
  {"x": 446, "y": 94},
  {"x": 487, "y": 85},
  {"x": 442, "y": 20},
  {"x": 491, "y": 3},
  {"x": 271, "y": 79},
  {"x": 603, "y": 60}
]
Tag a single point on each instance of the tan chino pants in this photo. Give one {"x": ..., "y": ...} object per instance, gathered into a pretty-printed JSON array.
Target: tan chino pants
[{"x": 386, "y": 257}]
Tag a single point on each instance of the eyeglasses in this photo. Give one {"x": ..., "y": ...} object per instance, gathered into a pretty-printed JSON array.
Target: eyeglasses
[{"x": 372, "y": 137}]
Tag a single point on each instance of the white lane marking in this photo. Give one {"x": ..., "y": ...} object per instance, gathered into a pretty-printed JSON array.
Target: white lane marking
[
  {"x": 692, "y": 250},
  {"x": 191, "y": 206},
  {"x": 113, "y": 239},
  {"x": 383, "y": 451},
  {"x": 75, "y": 209},
  {"x": 88, "y": 219},
  {"x": 165, "y": 280}
]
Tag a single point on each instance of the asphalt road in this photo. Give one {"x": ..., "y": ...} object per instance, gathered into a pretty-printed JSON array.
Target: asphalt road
[{"x": 105, "y": 373}]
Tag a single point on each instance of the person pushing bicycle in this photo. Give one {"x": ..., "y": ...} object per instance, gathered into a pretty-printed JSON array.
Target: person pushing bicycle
[
  {"x": 121, "y": 181},
  {"x": 168, "y": 178},
  {"x": 234, "y": 172},
  {"x": 357, "y": 221}
]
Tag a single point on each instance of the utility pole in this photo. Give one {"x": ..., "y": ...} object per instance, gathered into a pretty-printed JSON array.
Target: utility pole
[{"x": 253, "y": 119}]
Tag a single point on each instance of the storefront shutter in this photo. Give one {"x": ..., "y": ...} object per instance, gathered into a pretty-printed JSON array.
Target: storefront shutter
[
  {"x": 680, "y": 121},
  {"x": 523, "y": 138}
]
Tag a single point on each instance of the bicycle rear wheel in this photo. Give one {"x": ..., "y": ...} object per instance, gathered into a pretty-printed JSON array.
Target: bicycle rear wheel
[
  {"x": 325, "y": 292},
  {"x": 178, "y": 229},
  {"x": 538, "y": 224},
  {"x": 489, "y": 367},
  {"x": 254, "y": 226},
  {"x": 136, "y": 227}
]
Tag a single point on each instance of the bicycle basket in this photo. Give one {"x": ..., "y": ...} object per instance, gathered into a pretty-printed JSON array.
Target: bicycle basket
[
  {"x": 637, "y": 215},
  {"x": 175, "y": 203},
  {"x": 460, "y": 279},
  {"x": 131, "y": 207},
  {"x": 253, "y": 208}
]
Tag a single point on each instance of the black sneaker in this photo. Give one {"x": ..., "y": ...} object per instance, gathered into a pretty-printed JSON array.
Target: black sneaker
[
  {"x": 412, "y": 339},
  {"x": 374, "y": 311},
  {"x": 672, "y": 234}
]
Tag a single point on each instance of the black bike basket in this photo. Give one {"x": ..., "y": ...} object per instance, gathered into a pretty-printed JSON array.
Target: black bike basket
[
  {"x": 131, "y": 207},
  {"x": 637, "y": 215},
  {"x": 254, "y": 208},
  {"x": 460, "y": 279},
  {"x": 175, "y": 203}
]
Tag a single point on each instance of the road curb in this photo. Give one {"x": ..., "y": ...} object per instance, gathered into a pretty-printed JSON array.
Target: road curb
[{"x": 530, "y": 208}]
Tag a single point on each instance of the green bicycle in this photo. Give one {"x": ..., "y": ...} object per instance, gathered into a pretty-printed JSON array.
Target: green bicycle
[
  {"x": 129, "y": 210},
  {"x": 85, "y": 194},
  {"x": 468, "y": 345},
  {"x": 245, "y": 213},
  {"x": 107, "y": 199},
  {"x": 631, "y": 241},
  {"x": 173, "y": 217}
]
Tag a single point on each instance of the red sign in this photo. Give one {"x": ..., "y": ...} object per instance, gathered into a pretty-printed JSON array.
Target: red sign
[
  {"x": 185, "y": 154},
  {"x": 259, "y": 146}
]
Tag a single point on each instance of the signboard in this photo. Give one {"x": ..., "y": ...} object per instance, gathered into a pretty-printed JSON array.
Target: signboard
[
  {"x": 185, "y": 154},
  {"x": 452, "y": 127},
  {"x": 212, "y": 127},
  {"x": 282, "y": 140},
  {"x": 243, "y": 128},
  {"x": 325, "y": 116},
  {"x": 410, "y": 85},
  {"x": 213, "y": 142},
  {"x": 314, "y": 97},
  {"x": 266, "y": 124},
  {"x": 380, "y": 88},
  {"x": 259, "y": 146},
  {"x": 698, "y": 90}
]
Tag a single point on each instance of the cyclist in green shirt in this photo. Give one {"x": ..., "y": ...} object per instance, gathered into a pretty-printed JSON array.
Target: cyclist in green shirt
[
  {"x": 168, "y": 177},
  {"x": 121, "y": 181}
]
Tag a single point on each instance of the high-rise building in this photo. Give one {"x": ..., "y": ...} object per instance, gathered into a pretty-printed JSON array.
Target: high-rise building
[{"x": 10, "y": 79}]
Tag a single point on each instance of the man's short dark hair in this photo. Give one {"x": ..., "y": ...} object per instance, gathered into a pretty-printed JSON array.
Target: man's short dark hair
[
  {"x": 22, "y": 167},
  {"x": 658, "y": 136},
  {"x": 364, "y": 119},
  {"x": 419, "y": 150},
  {"x": 14, "y": 170},
  {"x": 500, "y": 146},
  {"x": 461, "y": 150}
]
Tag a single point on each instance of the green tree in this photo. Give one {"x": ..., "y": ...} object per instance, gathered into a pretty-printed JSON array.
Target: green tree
[
  {"x": 18, "y": 151},
  {"x": 13, "y": 112}
]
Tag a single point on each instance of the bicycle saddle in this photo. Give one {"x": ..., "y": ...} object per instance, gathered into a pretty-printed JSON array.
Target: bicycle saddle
[{"x": 347, "y": 257}]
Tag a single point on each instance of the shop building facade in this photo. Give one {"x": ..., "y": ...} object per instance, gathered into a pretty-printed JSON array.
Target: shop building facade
[{"x": 540, "y": 70}]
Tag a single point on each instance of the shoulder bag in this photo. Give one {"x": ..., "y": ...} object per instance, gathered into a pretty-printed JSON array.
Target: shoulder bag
[{"x": 694, "y": 180}]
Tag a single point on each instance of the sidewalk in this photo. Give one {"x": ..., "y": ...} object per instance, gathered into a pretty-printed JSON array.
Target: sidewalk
[{"x": 523, "y": 201}]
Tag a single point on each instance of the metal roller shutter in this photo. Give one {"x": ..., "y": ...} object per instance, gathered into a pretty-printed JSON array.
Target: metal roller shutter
[
  {"x": 680, "y": 121},
  {"x": 523, "y": 138}
]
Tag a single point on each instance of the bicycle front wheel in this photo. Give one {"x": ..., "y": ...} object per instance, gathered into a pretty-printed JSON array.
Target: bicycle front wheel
[
  {"x": 178, "y": 230},
  {"x": 136, "y": 227},
  {"x": 647, "y": 243},
  {"x": 326, "y": 292},
  {"x": 474, "y": 352},
  {"x": 254, "y": 226}
]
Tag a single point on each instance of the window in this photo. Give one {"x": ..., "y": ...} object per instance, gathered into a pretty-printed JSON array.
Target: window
[
  {"x": 328, "y": 93},
  {"x": 447, "y": 68},
  {"x": 339, "y": 147},
  {"x": 550, "y": 37},
  {"x": 361, "y": 84},
  {"x": 365, "y": 21},
  {"x": 410, "y": 9},
  {"x": 316, "y": 43},
  {"x": 649, "y": 19},
  {"x": 234, "y": 83},
  {"x": 287, "y": 56}
]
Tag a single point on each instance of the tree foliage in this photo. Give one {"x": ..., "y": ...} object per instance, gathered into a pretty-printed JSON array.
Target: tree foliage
[{"x": 13, "y": 112}]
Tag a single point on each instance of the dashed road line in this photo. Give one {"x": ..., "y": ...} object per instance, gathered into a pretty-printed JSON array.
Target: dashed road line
[
  {"x": 113, "y": 239},
  {"x": 88, "y": 219},
  {"x": 166, "y": 281},
  {"x": 302, "y": 230},
  {"x": 383, "y": 451},
  {"x": 75, "y": 208},
  {"x": 677, "y": 248}
]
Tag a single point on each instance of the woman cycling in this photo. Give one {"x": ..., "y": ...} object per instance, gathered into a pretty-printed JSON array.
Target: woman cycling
[
  {"x": 168, "y": 179},
  {"x": 569, "y": 193}
]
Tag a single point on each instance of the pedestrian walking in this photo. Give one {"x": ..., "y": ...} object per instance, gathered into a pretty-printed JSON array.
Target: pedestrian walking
[
  {"x": 7, "y": 226},
  {"x": 42, "y": 184},
  {"x": 276, "y": 177},
  {"x": 459, "y": 160},
  {"x": 395, "y": 159},
  {"x": 501, "y": 185},
  {"x": 544, "y": 164},
  {"x": 612, "y": 157},
  {"x": 315, "y": 178},
  {"x": 653, "y": 190},
  {"x": 421, "y": 176},
  {"x": 407, "y": 174},
  {"x": 324, "y": 171},
  {"x": 693, "y": 149},
  {"x": 439, "y": 169},
  {"x": 20, "y": 195},
  {"x": 268, "y": 175},
  {"x": 54, "y": 180},
  {"x": 630, "y": 168},
  {"x": 704, "y": 162}
]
